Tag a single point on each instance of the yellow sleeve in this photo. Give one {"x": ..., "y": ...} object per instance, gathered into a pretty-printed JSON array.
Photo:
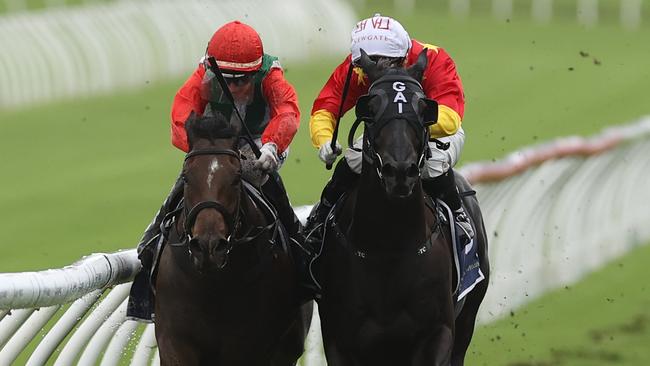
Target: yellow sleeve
[
  {"x": 448, "y": 122},
  {"x": 321, "y": 127}
]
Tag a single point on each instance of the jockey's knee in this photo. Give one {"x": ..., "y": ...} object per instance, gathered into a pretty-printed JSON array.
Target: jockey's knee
[{"x": 355, "y": 158}]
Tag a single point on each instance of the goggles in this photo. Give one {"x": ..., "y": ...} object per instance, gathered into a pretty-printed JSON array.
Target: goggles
[{"x": 237, "y": 79}]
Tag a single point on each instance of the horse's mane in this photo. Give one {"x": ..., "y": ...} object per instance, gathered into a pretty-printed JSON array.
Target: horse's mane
[
  {"x": 387, "y": 67},
  {"x": 398, "y": 71},
  {"x": 209, "y": 127}
]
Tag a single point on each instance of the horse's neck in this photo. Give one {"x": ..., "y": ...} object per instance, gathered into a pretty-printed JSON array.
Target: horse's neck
[{"x": 381, "y": 222}]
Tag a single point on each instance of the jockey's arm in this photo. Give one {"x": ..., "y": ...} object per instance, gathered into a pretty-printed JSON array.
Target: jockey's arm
[
  {"x": 284, "y": 112},
  {"x": 187, "y": 99},
  {"x": 442, "y": 84},
  {"x": 326, "y": 106}
]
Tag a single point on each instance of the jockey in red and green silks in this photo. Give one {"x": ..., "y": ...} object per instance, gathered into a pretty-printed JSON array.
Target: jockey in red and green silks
[
  {"x": 269, "y": 106},
  {"x": 266, "y": 100}
]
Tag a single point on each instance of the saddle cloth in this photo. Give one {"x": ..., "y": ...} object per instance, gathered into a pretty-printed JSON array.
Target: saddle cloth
[{"x": 466, "y": 261}]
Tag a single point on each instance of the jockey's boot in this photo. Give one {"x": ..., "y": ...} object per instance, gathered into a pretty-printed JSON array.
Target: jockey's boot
[
  {"x": 444, "y": 187},
  {"x": 140, "y": 305},
  {"x": 342, "y": 179}
]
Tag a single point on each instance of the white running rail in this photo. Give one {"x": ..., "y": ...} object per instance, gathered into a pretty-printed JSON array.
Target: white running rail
[
  {"x": 98, "y": 48},
  {"x": 553, "y": 213},
  {"x": 560, "y": 210}
]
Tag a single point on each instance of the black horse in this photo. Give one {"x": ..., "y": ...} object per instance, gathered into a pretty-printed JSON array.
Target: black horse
[
  {"x": 386, "y": 269},
  {"x": 226, "y": 285}
]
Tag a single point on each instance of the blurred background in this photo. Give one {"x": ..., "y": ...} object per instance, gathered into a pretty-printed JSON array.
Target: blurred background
[{"x": 86, "y": 158}]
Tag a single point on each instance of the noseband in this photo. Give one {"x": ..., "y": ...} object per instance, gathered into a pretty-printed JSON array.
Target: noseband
[
  {"x": 405, "y": 110},
  {"x": 232, "y": 222}
]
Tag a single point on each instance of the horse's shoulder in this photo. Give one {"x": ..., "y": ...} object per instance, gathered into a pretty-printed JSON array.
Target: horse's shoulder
[
  {"x": 344, "y": 209},
  {"x": 255, "y": 199}
]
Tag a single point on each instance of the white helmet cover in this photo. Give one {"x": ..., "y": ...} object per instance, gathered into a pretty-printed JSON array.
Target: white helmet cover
[{"x": 379, "y": 36}]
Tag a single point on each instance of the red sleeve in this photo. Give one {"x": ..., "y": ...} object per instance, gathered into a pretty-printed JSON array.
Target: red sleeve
[
  {"x": 283, "y": 109},
  {"x": 329, "y": 97},
  {"x": 440, "y": 81},
  {"x": 186, "y": 100}
]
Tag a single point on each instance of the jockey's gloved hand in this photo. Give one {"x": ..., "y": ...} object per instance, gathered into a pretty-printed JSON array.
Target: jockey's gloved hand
[
  {"x": 268, "y": 160},
  {"x": 327, "y": 154}
]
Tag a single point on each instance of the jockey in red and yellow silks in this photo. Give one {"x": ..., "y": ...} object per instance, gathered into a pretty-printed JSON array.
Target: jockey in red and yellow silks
[
  {"x": 440, "y": 83},
  {"x": 384, "y": 38}
]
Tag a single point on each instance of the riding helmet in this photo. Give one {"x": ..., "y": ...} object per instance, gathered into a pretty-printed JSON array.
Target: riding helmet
[{"x": 236, "y": 47}]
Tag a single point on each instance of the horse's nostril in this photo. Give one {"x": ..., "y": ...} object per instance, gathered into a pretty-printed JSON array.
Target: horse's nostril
[
  {"x": 412, "y": 171},
  {"x": 388, "y": 170},
  {"x": 216, "y": 245}
]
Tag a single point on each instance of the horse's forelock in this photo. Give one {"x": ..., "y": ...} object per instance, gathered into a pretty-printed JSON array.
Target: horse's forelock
[{"x": 209, "y": 127}]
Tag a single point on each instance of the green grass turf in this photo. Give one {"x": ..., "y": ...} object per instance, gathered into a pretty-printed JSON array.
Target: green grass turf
[{"x": 603, "y": 320}]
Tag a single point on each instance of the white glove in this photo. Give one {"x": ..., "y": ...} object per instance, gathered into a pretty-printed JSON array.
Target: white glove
[
  {"x": 326, "y": 154},
  {"x": 268, "y": 160}
]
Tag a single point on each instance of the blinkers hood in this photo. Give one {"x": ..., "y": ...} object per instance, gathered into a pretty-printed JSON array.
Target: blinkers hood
[{"x": 399, "y": 98}]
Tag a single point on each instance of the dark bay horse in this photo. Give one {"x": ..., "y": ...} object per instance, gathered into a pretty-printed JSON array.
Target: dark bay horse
[
  {"x": 387, "y": 265},
  {"x": 226, "y": 286}
]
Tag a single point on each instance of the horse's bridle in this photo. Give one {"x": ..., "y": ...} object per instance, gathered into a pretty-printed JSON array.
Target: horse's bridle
[
  {"x": 232, "y": 221},
  {"x": 373, "y": 124}
]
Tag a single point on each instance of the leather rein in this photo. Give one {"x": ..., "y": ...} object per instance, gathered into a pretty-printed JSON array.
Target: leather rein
[{"x": 233, "y": 221}]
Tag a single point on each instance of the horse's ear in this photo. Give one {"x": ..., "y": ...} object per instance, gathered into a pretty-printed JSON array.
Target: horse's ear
[
  {"x": 363, "y": 106},
  {"x": 234, "y": 122},
  {"x": 429, "y": 111},
  {"x": 417, "y": 70},
  {"x": 369, "y": 66},
  {"x": 191, "y": 119}
]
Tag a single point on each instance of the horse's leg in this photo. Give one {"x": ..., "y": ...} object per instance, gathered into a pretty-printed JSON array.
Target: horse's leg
[
  {"x": 465, "y": 324},
  {"x": 437, "y": 348},
  {"x": 334, "y": 355},
  {"x": 293, "y": 343},
  {"x": 175, "y": 352},
  {"x": 445, "y": 342},
  {"x": 172, "y": 315}
]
